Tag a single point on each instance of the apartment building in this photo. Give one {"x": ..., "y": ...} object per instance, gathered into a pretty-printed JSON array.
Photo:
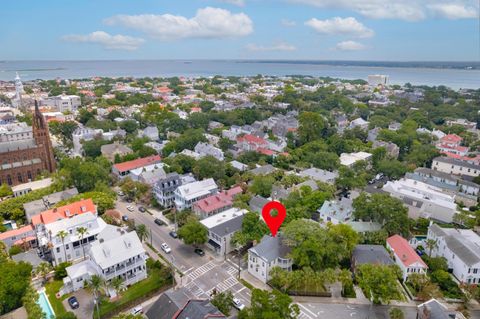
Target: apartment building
[
  {"x": 455, "y": 166},
  {"x": 120, "y": 256},
  {"x": 461, "y": 249},
  {"x": 217, "y": 203},
  {"x": 186, "y": 195}
]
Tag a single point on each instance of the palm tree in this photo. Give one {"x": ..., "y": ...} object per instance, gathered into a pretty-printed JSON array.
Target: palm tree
[
  {"x": 43, "y": 269},
  {"x": 94, "y": 284},
  {"x": 62, "y": 234},
  {"x": 82, "y": 231},
  {"x": 142, "y": 232},
  {"x": 396, "y": 313},
  {"x": 117, "y": 285},
  {"x": 431, "y": 245}
]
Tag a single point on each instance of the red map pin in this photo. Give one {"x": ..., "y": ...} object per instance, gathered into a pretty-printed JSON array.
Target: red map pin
[{"x": 274, "y": 222}]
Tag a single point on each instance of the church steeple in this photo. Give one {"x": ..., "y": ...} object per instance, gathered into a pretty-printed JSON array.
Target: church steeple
[{"x": 42, "y": 138}]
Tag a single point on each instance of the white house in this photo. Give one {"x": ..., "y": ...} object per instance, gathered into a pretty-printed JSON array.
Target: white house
[
  {"x": 205, "y": 149},
  {"x": 120, "y": 256},
  {"x": 423, "y": 200},
  {"x": 336, "y": 212},
  {"x": 186, "y": 195},
  {"x": 349, "y": 159},
  {"x": 270, "y": 252},
  {"x": 454, "y": 166},
  {"x": 62, "y": 103},
  {"x": 221, "y": 228},
  {"x": 461, "y": 249},
  {"x": 405, "y": 257}
]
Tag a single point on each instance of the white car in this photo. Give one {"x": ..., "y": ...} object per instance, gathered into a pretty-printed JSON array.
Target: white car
[
  {"x": 137, "y": 310},
  {"x": 130, "y": 208},
  {"x": 166, "y": 248},
  {"x": 238, "y": 304}
]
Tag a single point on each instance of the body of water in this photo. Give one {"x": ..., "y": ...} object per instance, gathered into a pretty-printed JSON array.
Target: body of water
[{"x": 455, "y": 78}]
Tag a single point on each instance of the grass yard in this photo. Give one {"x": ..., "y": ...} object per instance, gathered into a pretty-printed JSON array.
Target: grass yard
[
  {"x": 52, "y": 288},
  {"x": 158, "y": 277}
]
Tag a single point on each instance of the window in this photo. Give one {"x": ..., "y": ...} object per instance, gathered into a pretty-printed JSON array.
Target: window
[{"x": 58, "y": 249}]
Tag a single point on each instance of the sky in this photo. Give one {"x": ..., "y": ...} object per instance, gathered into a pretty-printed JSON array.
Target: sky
[{"x": 385, "y": 30}]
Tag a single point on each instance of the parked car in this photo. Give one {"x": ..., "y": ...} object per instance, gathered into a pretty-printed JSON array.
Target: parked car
[
  {"x": 129, "y": 200},
  {"x": 130, "y": 208},
  {"x": 173, "y": 234},
  {"x": 142, "y": 209},
  {"x": 199, "y": 251},
  {"x": 125, "y": 218},
  {"x": 159, "y": 222},
  {"x": 137, "y": 310},
  {"x": 73, "y": 302},
  {"x": 120, "y": 193},
  {"x": 238, "y": 304},
  {"x": 166, "y": 248}
]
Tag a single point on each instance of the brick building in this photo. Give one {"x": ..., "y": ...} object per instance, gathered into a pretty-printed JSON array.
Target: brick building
[{"x": 22, "y": 160}]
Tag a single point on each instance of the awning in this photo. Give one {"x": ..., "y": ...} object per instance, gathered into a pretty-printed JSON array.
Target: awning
[
  {"x": 214, "y": 243},
  {"x": 25, "y": 240}
]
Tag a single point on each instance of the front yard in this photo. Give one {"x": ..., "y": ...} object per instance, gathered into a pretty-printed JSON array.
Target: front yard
[
  {"x": 159, "y": 278},
  {"x": 51, "y": 289}
]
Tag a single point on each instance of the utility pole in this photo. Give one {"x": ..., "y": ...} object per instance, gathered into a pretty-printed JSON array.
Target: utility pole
[
  {"x": 151, "y": 240},
  {"x": 238, "y": 255}
]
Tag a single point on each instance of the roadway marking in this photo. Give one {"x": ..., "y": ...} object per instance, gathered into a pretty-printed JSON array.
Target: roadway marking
[
  {"x": 239, "y": 291},
  {"x": 187, "y": 271},
  {"x": 306, "y": 309},
  {"x": 201, "y": 270}
]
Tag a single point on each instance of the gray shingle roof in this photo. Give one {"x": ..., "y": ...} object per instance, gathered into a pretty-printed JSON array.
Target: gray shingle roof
[
  {"x": 270, "y": 248},
  {"x": 455, "y": 161},
  {"x": 371, "y": 254}
]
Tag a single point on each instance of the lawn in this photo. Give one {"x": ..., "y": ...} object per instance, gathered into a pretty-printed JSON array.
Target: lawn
[
  {"x": 52, "y": 288},
  {"x": 159, "y": 277}
]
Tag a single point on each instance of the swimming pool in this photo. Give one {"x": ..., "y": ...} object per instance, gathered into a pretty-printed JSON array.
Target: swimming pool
[{"x": 45, "y": 304}]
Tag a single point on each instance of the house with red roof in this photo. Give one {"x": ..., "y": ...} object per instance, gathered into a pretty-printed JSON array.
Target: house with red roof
[
  {"x": 250, "y": 142},
  {"x": 450, "y": 144},
  {"x": 21, "y": 236},
  {"x": 405, "y": 257},
  {"x": 122, "y": 170},
  {"x": 67, "y": 211},
  {"x": 216, "y": 203}
]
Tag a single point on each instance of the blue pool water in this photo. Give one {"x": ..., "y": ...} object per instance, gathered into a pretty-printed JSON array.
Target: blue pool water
[{"x": 45, "y": 305}]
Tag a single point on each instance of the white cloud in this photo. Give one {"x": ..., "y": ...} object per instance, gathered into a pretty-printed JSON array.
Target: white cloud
[
  {"x": 281, "y": 46},
  {"x": 340, "y": 26},
  {"x": 454, "y": 11},
  {"x": 114, "y": 42},
  {"x": 349, "y": 46},
  {"x": 239, "y": 3},
  {"x": 288, "y": 23},
  {"x": 207, "y": 23},
  {"x": 409, "y": 10}
]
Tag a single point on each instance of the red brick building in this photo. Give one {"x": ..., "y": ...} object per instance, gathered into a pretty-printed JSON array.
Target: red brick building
[{"x": 22, "y": 160}]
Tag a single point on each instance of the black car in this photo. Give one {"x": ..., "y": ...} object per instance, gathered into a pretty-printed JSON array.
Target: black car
[
  {"x": 73, "y": 302},
  {"x": 129, "y": 200},
  {"x": 159, "y": 222},
  {"x": 142, "y": 209},
  {"x": 173, "y": 234},
  {"x": 125, "y": 218},
  {"x": 199, "y": 251}
]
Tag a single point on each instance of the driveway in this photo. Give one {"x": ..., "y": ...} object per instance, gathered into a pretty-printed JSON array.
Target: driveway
[{"x": 85, "y": 299}]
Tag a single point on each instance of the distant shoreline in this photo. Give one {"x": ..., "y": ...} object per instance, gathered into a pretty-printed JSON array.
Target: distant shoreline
[{"x": 459, "y": 65}]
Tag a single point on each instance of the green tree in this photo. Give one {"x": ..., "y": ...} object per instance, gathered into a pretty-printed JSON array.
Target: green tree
[
  {"x": 43, "y": 269},
  {"x": 384, "y": 209},
  {"x": 223, "y": 301},
  {"x": 5, "y": 190},
  {"x": 396, "y": 313},
  {"x": 62, "y": 234},
  {"x": 94, "y": 284},
  {"x": 117, "y": 284},
  {"x": 15, "y": 280},
  {"x": 379, "y": 282},
  {"x": 193, "y": 233},
  {"x": 253, "y": 229},
  {"x": 311, "y": 126},
  {"x": 142, "y": 232},
  {"x": 431, "y": 244},
  {"x": 269, "y": 305},
  {"x": 82, "y": 232},
  {"x": 93, "y": 148},
  {"x": 262, "y": 185},
  {"x": 65, "y": 315},
  {"x": 29, "y": 300}
]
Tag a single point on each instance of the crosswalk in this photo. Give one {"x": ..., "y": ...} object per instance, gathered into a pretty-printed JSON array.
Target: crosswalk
[
  {"x": 224, "y": 285},
  {"x": 303, "y": 315},
  {"x": 201, "y": 270},
  {"x": 195, "y": 290}
]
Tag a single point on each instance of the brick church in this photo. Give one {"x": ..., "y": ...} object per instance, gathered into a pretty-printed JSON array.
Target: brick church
[{"x": 24, "y": 156}]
